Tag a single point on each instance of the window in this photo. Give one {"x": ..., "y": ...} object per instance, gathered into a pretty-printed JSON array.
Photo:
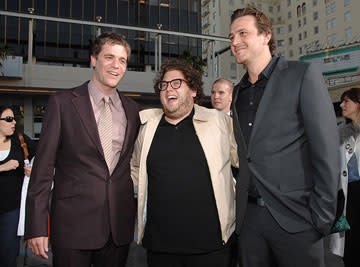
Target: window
[
  {"x": 300, "y": 37},
  {"x": 348, "y": 33},
  {"x": 334, "y": 37},
  {"x": 347, "y": 16},
  {"x": 316, "y": 29},
  {"x": 304, "y": 20},
  {"x": 328, "y": 26},
  {"x": 278, "y": 8},
  {"x": 327, "y": 9},
  {"x": 259, "y": 6},
  {"x": 279, "y": 19},
  {"x": 298, "y": 11},
  {"x": 305, "y": 34},
  {"x": 280, "y": 30},
  {"x": 214, "y": 3},
  {"x": 303, "y": 9},
  {"x": 214, "y": 15},
  {"x": 291, "y": 53},
  {"x": 299, "y": 23},
  {"x": 346, "y": 2},
  {"x": 289, "y": 15},
  {"x": 271, "y": 9},
  {"x": 334, "y": 22},
  {"x": 289, "y": 28},
  {"x": 316, "y": 15},
  {"x": 288, "y": 2},
  {"x": 214, "y": 28},
  {"x": 333, "y": 7},
  {"x": 315, "y": 2},
  {"x": 300, "y": 50},
  {"x": 329, "y": 39},
  {"x": 281, "y": 43},
  {"x": 290, "y": 41},
  {"x": 231, "y": 2}
]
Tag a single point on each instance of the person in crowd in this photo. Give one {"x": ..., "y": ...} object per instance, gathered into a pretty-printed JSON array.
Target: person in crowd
[
  {"x": 181, "y": 166},
  {"x": 221, "y": 95},
  {"x": 87, "y": 136},
  {"x": 345, "y": 244},
  {"x": 285, "y": 128},
  {"x": 12, "y": 171}
]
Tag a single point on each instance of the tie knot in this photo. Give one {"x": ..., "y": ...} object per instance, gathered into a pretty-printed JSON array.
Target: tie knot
[{"x": 107, "y": 99}]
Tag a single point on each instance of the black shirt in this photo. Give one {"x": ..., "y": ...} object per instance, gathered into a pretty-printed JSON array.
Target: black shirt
[
  {"x": 181, "y": 210},
  {"x": 247, "y": 103}
]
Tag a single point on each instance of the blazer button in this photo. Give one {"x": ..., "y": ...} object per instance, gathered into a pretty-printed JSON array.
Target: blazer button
[{"x": 344, "y": 173}]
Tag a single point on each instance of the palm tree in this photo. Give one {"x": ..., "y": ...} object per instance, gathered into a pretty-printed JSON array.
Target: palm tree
[
  {"x": 197, "y": 62},
  {"x": 4, "y": 51}
]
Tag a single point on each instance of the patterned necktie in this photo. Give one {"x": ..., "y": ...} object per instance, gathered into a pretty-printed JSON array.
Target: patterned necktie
[{"x": 105, "y": 130}]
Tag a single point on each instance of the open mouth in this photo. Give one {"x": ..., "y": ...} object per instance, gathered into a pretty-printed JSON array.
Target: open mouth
[{"x": 114, "y": 73}]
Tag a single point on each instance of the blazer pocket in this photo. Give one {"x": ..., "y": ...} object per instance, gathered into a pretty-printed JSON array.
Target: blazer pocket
[
  {"x": 68, "y": 191},
  {"x": 286, "y": 188}
]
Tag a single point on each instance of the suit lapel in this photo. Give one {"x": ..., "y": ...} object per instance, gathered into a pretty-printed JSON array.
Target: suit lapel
[
  {"x": 83, "y": 106},
  {"x": 266, "y": 99},
  {"x": 130, "y": 118}
]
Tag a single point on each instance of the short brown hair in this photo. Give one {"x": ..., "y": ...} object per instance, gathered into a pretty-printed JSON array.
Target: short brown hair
[
  {"x": 262, "y": 22},
  {"x": 191, "y": 75},
  {"x": 111, "y": 38}
]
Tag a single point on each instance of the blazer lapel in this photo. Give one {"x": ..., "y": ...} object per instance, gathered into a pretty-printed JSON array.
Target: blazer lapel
[
  {"x": 130, "y": 114},
  {"x": 83, "y": 106},
  {"x": 266, "y": 99}
]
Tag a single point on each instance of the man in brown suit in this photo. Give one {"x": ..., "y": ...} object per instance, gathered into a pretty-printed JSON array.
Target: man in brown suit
[{"x": 92, "y": 210}]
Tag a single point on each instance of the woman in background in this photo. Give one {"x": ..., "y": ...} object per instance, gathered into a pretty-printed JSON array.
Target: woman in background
[
  {"x": 12, "y": 171},
  {"x": 345, "y": 244}
]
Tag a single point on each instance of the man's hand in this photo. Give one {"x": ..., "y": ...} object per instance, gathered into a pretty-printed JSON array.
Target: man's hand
[{"x": 39, "y": 246}]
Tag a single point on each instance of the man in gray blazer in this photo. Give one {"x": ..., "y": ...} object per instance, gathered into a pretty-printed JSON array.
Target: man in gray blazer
[{"x": 285, "y": 127}]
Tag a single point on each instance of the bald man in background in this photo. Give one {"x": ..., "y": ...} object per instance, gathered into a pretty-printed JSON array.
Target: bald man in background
[{"x": 221, "y": 95}]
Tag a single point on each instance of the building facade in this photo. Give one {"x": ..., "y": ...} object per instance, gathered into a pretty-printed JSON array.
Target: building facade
[{"x": 300, "y": 27}]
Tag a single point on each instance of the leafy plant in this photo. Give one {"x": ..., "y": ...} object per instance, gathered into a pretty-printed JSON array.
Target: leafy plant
[{"x": 197, "y": 62}]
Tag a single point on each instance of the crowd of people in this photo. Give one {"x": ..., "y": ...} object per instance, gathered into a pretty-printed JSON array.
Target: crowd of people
[{"x": 253, "y": 182}]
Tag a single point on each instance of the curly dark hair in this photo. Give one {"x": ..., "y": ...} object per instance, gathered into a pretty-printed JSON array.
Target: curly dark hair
[
  {"x": 191, "y": 75},
  {"x": 354, "y": 95},
  {"x": 111, "y": 38},
  {"x": 5, "y": 107},
  {"x": 263, "y": 23}
]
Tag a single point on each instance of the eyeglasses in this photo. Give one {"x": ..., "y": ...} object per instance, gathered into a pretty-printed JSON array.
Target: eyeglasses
[
  {"x": 7, "y": 119},
  {"x": 175, "y": 84}
]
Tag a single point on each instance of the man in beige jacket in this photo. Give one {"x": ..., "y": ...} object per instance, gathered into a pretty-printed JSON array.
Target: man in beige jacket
[{"x": 181, "y": 166}]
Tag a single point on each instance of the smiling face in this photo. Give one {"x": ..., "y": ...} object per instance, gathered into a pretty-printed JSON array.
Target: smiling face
[
  {"x": 247, "y": 44},
  {"x": 350, "y": 109},
  {"x": 177, "y": 103},
  {"x": 109, "y": 67},
  {"x": 7, "y": 128}
]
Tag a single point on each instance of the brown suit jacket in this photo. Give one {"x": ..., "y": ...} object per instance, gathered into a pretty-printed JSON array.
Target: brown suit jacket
[{"x": 87, "y": 202}]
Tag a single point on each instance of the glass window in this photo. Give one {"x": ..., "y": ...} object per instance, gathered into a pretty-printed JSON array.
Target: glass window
[
  {"x": 305, "y": 34},
  {"x": 271, "y": 9},
  {"x": 214, "y": 28},
  {"x": 281, "y": 43},
  {"x": 334, "y": 22},
  {"x": 334, "y": 37},
  {"x": 304, "y": 20},
  {"x": 289, "y": 28},
  {"x": 347, "y": 16},
  {"x": 288, "y": 2},
  {"x": 280, "y": 30},
  {"x": 299, "y": 23},
  {"x": 303, "y": 9},
  {"x": 289, "y": 15},
  {"x": 300, "y": 37},
  {"x": 290, "y": 41},
  {"x": 315, "y": 15},
  {"x": 298, "y": 11},
  {"x": 214, "y": 15},
  {"x": 333, "y": 7},
  {"x": 214, "y": 3},
  {"x": 329, "y": 39},
  {"x": 348, "y": 32},
  {"x": 327, "y": 10},
  {"x": 278, "y": 8},
  {"x": 328, "y": 26},
  {"x": 291, "y": 53},
  {"x": 315, "y": 2},
  {"x": 346, "y": 2},
  {"x": 300, "y": 50},
  {"x": 316, "y": 29}
]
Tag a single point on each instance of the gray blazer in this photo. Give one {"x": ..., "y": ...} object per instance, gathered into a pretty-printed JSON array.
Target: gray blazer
[{"x": 292, "y": 151}]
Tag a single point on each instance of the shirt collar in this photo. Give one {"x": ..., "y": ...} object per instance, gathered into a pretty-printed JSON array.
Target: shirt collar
[
  {"x": 97, "y": 95},
  {"x": 266, "y": 73}
]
